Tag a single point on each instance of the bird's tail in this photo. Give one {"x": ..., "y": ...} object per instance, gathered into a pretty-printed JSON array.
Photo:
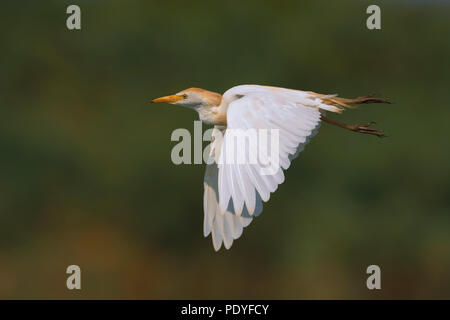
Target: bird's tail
[
  {"x": 341, "y": 103},
  {"x": 349, "y": 103}
]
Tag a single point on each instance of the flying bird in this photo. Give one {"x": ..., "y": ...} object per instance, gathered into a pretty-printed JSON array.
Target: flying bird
[{"x": 234, "y": 192}]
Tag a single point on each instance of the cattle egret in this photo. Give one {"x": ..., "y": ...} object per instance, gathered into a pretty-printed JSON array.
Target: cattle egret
[{"x": 234, "y": 192}]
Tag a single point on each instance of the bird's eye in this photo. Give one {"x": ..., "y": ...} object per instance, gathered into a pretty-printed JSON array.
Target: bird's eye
[{"x": 185, "y": 96}]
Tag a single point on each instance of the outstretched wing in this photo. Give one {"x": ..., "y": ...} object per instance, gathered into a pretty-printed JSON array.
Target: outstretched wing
[
  {"x": 234, "y": 191},
  {"x": 224, "y": 225},
  {"x": 291, "y": 115}
]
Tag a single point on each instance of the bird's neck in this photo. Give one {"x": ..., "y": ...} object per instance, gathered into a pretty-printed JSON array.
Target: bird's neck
[{"x": 212, "y": 115}]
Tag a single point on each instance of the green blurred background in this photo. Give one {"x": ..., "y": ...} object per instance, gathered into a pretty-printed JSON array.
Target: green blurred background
[{"x": 85, "y": 170}]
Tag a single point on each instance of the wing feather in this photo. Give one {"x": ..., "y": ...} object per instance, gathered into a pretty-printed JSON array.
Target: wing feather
[
  {"x": 294, "y": 113},
  {"x": 234, "y": 192},
  {"x": 224, "y": 226}
]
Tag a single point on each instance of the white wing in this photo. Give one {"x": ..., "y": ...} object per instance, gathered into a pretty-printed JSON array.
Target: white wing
[
  {"x": 224, "y": 226},
  {"x": 234, "y": 191}
]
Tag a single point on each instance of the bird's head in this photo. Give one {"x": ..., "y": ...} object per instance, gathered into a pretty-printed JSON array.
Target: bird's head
[{"x": 192, "y": 98}]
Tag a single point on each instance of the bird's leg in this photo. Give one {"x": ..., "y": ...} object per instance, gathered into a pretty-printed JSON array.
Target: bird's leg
[{"x": 361, "y": 128}]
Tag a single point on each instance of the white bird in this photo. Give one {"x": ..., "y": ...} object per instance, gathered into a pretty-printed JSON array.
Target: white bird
[{"x": 234, "y": 192}]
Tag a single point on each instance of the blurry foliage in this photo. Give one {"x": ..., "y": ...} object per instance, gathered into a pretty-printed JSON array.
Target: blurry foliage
[{"x": 85, "y": 170}]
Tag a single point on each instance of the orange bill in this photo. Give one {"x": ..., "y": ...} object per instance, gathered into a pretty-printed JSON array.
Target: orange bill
[{"x": 168, "y": 99}]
